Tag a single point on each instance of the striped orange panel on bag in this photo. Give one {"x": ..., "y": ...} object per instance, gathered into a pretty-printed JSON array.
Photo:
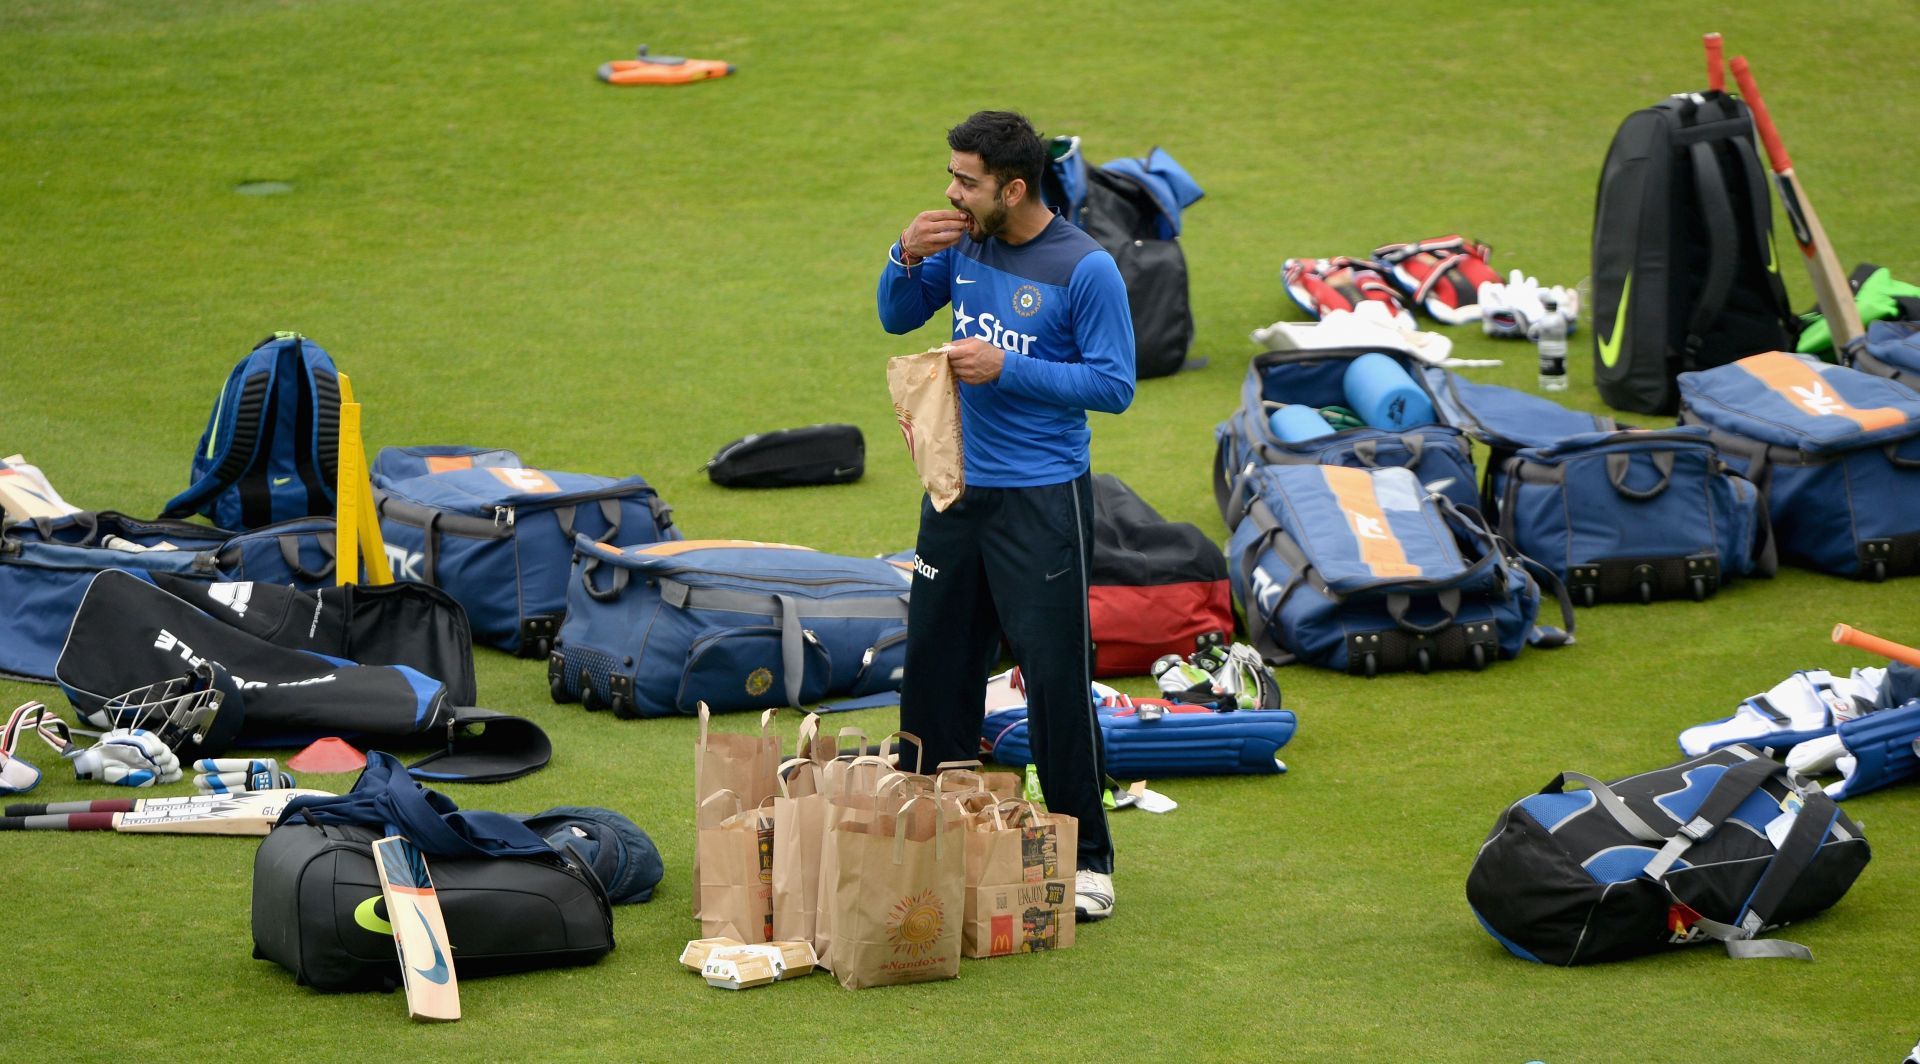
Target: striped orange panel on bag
[
  {"x": 1804, "y": 387},
  {"x": 1380, "y": 549}
]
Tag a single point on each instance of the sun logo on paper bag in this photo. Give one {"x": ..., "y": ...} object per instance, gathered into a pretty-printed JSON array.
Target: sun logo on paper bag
[{"x": 914, "y": 925}]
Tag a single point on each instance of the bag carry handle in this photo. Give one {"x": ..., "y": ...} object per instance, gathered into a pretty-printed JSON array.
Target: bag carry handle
[
  {"x": 919, "y": 749},
  {"x": 1368, "y": 451},
  {"x": 1448, "y": 598},
  {"x": 788, "y": 769},
  {"x": 588, "y": 563},
  {"x": 701, "y": 812},
  {"x": 290, "y": 552},
  {"x": 1891, "y": 450},
  {"x": 900, "y": 829},
  {"x": 1619, "y": 463}
]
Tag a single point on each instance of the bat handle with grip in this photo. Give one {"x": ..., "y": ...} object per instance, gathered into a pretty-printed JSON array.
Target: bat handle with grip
[
  {"x": 1847, "y": 635},
  {"x": 59, "y": 822},
  {"x": 1769, "y": 136},
  {"x": 1716, "y": 69}
]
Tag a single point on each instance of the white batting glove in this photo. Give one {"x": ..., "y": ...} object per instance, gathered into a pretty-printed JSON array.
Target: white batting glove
[{"x": 135, "y": 758}]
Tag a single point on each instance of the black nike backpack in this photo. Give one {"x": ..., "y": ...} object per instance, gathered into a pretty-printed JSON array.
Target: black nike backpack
[{"x": 1685, "y": 274}]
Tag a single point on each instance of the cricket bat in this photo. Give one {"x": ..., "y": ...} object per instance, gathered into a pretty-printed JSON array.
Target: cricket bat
[
  {"x": 131, "y": 805},
  {"x": 251, "y": 813},
  {"x": 1830, "y": 285},
  {"x": 1847, "y": 635},
  {"x": 419, "y": 931}
]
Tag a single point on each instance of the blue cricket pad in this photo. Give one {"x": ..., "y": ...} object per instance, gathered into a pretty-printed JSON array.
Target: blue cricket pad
[{"x": 1882, "y": 744}]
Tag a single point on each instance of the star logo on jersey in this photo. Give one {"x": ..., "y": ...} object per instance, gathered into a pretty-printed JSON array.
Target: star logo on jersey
[
  {"x": 1026, "y": 301},
  {"x": 962, "y": 320}
]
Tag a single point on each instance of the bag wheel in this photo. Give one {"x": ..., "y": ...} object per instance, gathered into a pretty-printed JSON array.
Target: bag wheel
[
  {"x": 540, "y": 647},
  {"x": 1589, "y": 595},
  {"x": 1423, "y": 660},
  {"x": 1877, "y": 570},
  {"x": 1699, "y": 586},
  {"x": 1476, "y": 657},
  {"x": 622, "y": 707},
  {"x": 1369, "y": 666},
  {"x": 590, "y": 699},
  {"x": 557, "y": 689},
  {"x": 1646, "y": 592}
]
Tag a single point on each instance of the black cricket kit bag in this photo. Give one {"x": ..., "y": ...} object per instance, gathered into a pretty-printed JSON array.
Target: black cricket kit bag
[
  {"x": 1133, "y": 208},
  {"x": 271, "y": 448},
  {"x": 47, "y": 562},
  {"x": 1366, "y": 571},
  {"x": 1316, "y": 378},
  {"x": 1685, "y": 274},
  {"x": 1618, "y": 514},
  {"x": 1835, "y": 452},
  {"x": 1725, "y": 846},
  {"x": 1156, "y": 585},
  {"x": 499, "y": 536},
  {"x": 518, "y": 893},
  {"x": 657, "y": 630},
  {"x": 130, "y": 633},
  {"x": 814, "y": 454}
]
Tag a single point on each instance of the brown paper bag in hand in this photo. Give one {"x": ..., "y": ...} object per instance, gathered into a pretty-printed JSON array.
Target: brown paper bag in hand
[
  {"x": 926, "y": 403},
  {"x": 736, "y": 878},
  {"x": 1019, "y": 867},
  {"x": 899, "y": 896},
  {"x": 744, "y": 764}
]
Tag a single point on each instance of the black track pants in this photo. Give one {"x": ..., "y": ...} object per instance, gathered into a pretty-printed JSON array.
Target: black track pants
[{"x": 1010, "y": 562}]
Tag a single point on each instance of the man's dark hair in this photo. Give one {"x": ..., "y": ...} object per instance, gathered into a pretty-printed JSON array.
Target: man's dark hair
[{"x": 1006, "y": 142}]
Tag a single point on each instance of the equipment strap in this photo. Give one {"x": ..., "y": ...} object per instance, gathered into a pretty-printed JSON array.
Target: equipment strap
[{"x": 1723, "y": 239}]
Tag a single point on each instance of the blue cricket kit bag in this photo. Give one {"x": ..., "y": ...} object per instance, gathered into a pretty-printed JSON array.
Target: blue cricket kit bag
[
  {"x": 271, "y": 448},
  {"x": 1617, "y": 513},
  {"x": 499, "y": 537},
  {"x": 1161, "y": 741},
  {"x": 1366, "y": 571},
  {"x": 1437, "y": 454},
  {"x": 1892, "y": 351},
  {"x": 657, "y": 630},
  {"x": 1836, "y": 453},
  {"x": 1724, "y": 846}
]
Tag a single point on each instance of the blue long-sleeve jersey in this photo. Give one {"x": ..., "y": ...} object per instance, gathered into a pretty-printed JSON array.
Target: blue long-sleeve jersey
[{"x": 1057, "y": 307}]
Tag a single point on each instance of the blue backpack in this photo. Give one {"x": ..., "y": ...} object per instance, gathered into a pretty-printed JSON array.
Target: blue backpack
[{"x": 271, "y": 448}]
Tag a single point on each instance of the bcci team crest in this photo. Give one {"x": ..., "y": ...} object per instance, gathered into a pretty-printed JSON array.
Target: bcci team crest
[
  {"x": 1026, "y": 301},
  {"x": 759, "y": 680}
]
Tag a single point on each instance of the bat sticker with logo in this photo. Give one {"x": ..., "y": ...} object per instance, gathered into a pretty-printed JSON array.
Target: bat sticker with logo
[{"x": 419, "y": 930}]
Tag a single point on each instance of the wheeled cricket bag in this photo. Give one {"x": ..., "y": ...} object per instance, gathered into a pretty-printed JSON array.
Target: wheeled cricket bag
[
  {"x": 1892, "y": 351},
  {"x": 499, "y": 538},
  {"x": 1685, "y": 274},
  {"x": 656, "y": 630},
  {"x": 1834, "y": 451},
  {"x": 1725, "y": 846},
  {"x": 1617, "y": 514},
  {"x": 1366, "y": 571},
  {"x": 1436, "y": 453},
  {"x": 402, "y": 623},
  {"x": 1156, "y": 585},
  {"x": 129, "y": 633},
  {"x": 814, "y": 454},
  {"x": 1133, "y": 208},
  {"x": 318, "y": 911},
  {"x": 1146, "y": 739},
  {"x": 271, "y": 448}
]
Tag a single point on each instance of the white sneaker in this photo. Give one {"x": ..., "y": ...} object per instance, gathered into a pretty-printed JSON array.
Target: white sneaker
[{"x": 1092, "y": 895}]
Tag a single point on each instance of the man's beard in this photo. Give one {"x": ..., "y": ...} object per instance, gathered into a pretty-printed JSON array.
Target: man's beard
[{"x": 989, "y": 224}]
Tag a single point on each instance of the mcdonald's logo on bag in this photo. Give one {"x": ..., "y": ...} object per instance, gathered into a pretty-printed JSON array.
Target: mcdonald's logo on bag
[{"x": 1000, "y": 942}]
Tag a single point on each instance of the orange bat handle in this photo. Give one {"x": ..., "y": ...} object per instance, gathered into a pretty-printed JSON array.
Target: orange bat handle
[
  {"x": 1716, "y": 70},
  {"x": 1847, "y": 635},
  {"x": 1776, "y": 151}
]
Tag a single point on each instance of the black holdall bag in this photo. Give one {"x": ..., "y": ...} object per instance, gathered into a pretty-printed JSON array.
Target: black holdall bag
[
  {"x": 786, "y": 458},
  {"x": 318, "y": 913},
  {"x": 1723, "y": 846},
  {"x": 1685, "y": 274}
]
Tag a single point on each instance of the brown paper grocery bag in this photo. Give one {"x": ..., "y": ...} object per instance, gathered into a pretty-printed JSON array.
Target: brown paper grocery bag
[
  {"x": 1019, "y": 872},
  {"x": 743, "y": 764},
  {"x": 899, "y": 897},
  {"x": 736, "y": 877},
  {"x": 799, "y": 821},
  {"x": 960, "y": 776},
  {"x": 857, "y": 796},
  {"x": 926, "y": 403}
]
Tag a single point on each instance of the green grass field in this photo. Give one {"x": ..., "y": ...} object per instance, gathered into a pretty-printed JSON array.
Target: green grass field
[{"x": 503, "y": 251}]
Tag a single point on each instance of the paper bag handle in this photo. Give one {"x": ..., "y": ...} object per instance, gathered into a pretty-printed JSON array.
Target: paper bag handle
[
  {"x": 900, "y": 829},
  {"x": 786, "y": 768},
  {"x": 809, "y": 731},
  {"x": 700, "y": 813},
  {"x": 919, "y": 749}
]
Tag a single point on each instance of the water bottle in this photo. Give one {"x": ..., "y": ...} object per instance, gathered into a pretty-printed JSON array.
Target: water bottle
[{"x": 1550, "y": 332}]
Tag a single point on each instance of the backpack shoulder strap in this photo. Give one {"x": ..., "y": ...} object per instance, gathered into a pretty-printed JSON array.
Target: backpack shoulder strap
[
  {"x": 1723, "y": 244},
  {"x": 233, "y": 431}
]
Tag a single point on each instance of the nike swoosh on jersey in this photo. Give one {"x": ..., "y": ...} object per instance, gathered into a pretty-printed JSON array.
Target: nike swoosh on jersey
[
  {"x": 965, "y": 280},
  {"x": 1610, "y": 345}
]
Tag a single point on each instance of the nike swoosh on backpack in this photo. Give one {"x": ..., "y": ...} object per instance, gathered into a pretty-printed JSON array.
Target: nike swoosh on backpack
[
  {"x": 366, "y": 916},
  {"x": 282, "y": 481},
  {"x": 1610, "y": 345}
]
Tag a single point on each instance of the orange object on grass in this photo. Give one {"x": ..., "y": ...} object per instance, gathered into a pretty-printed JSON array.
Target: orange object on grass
[{"x": 662, "y": 70}]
